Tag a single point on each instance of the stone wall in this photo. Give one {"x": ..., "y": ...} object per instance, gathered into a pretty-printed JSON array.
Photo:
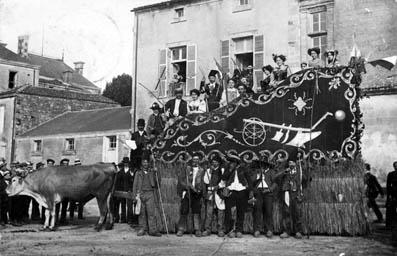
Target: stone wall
[
  {"x": 89, "y": 148},
  {"x": 32, "y": 110}
]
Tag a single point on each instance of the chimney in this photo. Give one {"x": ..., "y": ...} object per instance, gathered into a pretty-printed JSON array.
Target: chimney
[
  {"x": 79, "y": 67},
  {"x": 23, "y": 43},
  {"x": 66, "y": 76}
]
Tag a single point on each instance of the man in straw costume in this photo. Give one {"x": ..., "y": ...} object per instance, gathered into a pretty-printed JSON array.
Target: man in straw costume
[{"x": 145, "y": 185}]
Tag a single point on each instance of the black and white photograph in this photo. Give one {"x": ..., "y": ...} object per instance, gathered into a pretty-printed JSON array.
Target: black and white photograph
[{"x": 198, "y": 127}]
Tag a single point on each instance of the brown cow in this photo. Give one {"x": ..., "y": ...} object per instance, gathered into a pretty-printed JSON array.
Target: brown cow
[{"x": 50, "y": 185}]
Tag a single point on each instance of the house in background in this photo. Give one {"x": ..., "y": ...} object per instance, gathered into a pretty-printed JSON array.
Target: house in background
[
  {"x": 25, "y": 107},
  {"x": 90, "y": 135},
  {"x": 15, "y": 71},
  {"x": 55, "y": 73}
]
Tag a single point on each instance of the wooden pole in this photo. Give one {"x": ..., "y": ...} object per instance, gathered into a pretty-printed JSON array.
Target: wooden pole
[{"x": 135, "y": 71}]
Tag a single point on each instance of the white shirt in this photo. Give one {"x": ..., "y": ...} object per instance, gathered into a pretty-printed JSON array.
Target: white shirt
[
  {"x": 140, "y": 133},
  {"x": 176, "y": 107},
  {"x": 236, "y": 185},
  {"x": 126, "y": 170},
  {"x": 212, "y": 86},
  {"x": 195, "y": 171},
  {"x": 263, "y": 183}
]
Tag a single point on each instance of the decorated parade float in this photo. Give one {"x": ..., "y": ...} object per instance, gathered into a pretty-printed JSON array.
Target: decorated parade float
[{"x": 312, "y": 116}]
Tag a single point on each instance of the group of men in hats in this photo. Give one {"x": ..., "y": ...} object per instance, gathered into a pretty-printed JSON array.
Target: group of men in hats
[{"x": 231, "y": 184}]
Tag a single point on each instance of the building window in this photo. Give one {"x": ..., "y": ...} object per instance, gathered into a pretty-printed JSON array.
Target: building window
[
  {"x": 112, "y": 142},
  {"x": 244, "y": 48},
  {"x": 12, "y": 79},
  {"x": 244, "y": 2},
  {"x": 178, "y": 68},
  {"x": 69, "y": 144},
  {"x": 37, "y": 146},
  {"x": 179, "y": 13},
  {"x": 319, "y": 22}
]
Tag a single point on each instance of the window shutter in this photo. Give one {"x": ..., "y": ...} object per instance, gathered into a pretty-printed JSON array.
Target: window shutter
[
  {"x": 191, "y": 68},
  {"x": 225, "y": 55},
  {"x": 258, "y": 59},
  {"x": 162, "y": 73}
]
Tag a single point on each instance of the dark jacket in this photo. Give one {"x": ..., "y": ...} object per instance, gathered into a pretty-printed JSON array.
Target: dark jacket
[
  {"x": 124, "y": 181},
  {"x": 152, "y": 128},
  {"x": 391, "y": 186},
  {"x": 373, "y": 188},
  {"x": 140, "y": 144},
  {"x": 242, "y": 174},
  {"x": 270, "y": 178},
  {"x": 170, "y": 105},
  {"x": 291, "y": 181},
  {"x": 214, "y": 95},
  {"x": 137, "y": 188},
  {"x": 183, "y": 181}
]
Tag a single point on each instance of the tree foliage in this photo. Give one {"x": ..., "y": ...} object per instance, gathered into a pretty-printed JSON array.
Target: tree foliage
[{"x": 119, "y": 89}]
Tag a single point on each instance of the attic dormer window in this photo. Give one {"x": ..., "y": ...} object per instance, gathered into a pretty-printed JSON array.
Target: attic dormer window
[{"x": 179, "y": 13}]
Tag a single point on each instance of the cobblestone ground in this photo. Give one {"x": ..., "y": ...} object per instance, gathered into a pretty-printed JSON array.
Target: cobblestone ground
[{"x": 79, "y": 238}]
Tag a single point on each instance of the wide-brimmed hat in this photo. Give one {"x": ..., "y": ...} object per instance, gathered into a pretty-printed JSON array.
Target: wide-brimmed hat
[
  {"x": 126, "y": 160},
  {"x": 141, "y": 122},
  {"x": 178, "y": 90},
  {"x": 155, "y": 106},
  {"x": 213, "y": 72},
  {"x": 233, "y": 159},
  {"x": 315, "y": 49},
  {"x": 262, "y": 163},
  {"x": 49, "y": 160}
]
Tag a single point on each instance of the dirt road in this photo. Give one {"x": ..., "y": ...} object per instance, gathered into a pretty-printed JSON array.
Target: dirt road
[{"x": 79, "y": 238}]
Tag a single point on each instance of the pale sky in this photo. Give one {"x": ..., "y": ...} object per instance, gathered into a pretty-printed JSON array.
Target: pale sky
[{"x": 98, "y": 32}]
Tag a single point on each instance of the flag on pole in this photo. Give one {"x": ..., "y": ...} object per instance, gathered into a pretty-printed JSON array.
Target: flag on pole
[
  {"x": 388, "y": 62},
  {"x": 355, "y": 52},
  {"x": 219, "y": 68}
]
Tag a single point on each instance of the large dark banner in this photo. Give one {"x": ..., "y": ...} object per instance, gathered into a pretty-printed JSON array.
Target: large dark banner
[{"x": 311, "y": 113}]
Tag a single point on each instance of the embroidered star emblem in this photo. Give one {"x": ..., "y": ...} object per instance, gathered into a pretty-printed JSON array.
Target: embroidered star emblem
[{"x": 300, "y": 103}]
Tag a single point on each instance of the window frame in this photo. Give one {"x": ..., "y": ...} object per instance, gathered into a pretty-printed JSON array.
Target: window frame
[
  {"x": 67, "y": 145},
  {"x": 14, "y": 80},
  {"x": 245, "y": 50},
  {"x": 112, "y": 144}
]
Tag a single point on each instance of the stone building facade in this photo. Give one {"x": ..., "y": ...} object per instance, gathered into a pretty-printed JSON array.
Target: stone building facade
[
  {"x": 187, "y": 36},
  {"x": 96, "y": 136},
  {"x": 28, "y": 106}
]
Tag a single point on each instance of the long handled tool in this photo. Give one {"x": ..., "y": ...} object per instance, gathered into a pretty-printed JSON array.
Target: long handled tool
[{"x": 160, "y": 197}]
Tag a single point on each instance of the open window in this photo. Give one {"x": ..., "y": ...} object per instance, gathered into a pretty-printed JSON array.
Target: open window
[
  {"x": 12, "y": 79},
  {"x": 244, "y": 51},
  {"x": 37, "y": 146}
]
